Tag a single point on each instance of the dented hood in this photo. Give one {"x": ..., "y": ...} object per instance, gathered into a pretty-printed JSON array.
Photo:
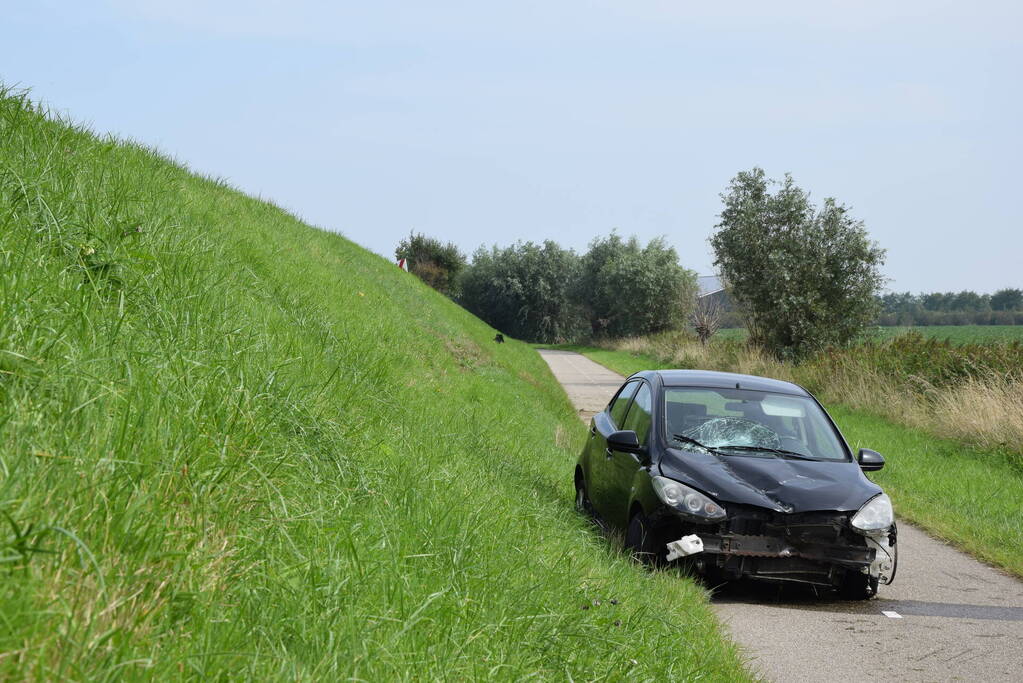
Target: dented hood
[{"x": 772, "y": 482}]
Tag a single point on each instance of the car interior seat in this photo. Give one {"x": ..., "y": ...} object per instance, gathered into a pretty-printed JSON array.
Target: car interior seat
[{"x": 684, "y": 416}]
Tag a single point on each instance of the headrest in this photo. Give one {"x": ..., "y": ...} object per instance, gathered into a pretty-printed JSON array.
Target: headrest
[{"x": 680, "y": 413}]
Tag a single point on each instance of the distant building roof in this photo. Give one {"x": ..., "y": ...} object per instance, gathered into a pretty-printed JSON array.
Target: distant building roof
[{"x": 708, "y": 284}]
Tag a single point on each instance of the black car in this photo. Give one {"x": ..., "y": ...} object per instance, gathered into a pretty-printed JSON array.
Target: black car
[{"x": 737, "y": 476}]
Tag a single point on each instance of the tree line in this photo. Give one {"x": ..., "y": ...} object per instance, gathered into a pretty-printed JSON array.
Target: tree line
[
  {"x": 1004, "y": 307},
  {"x": 800, "y": 277},
  {"x": 546, "y": 293}
]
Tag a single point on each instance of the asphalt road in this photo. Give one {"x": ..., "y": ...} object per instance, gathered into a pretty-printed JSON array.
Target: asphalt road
[{"x": 947, "y": 617}]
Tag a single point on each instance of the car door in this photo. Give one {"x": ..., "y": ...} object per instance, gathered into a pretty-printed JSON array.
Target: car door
[
  {"x": 605, "y": 423},
  {"x": 622, "y": 467}
]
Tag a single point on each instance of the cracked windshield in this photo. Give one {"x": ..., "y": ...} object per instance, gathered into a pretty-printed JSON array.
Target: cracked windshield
[{"x": 745, "y": 421}]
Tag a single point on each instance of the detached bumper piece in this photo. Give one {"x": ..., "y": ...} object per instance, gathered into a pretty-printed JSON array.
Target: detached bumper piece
[{"x": 687, "y": 545}]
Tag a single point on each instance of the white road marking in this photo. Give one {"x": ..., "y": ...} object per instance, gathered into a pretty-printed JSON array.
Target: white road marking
[{"x": 891, "y": 615}]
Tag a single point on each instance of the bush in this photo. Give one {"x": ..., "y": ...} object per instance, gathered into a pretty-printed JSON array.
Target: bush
[
  {"x": 436, "y": 264},
  {"x": 627, "y": 289},
  {"x": 525, "y": 291}
]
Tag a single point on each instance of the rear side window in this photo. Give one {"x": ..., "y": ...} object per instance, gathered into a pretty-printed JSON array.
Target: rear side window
[
  {"x": 620, "y": 402},
  {"x": 638, "y": 419}
]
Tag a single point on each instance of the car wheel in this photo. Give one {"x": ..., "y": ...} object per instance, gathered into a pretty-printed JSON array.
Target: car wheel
[
  {"x": 643, "y": 542},
  {"x": 582, "y": 498},
  {"x": 858, "y": 586},
  {"x": 713, "y": 576}
]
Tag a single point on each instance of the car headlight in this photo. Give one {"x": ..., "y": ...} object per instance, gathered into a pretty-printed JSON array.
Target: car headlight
[
  {"x": 876, "y": 515},
  {"x": 687, "y": 500}
]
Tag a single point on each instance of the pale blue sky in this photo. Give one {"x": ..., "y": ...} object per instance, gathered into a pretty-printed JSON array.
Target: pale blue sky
[{"x": 489, "y": 122}]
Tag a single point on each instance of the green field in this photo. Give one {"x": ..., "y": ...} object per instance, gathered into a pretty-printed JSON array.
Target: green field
[
  {"x": 957, "y": 334},
  {"x": 236, "y": 447}
]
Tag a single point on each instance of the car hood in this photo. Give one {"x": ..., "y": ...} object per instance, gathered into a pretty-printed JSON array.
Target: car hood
[{"x": 771, "y": 482}]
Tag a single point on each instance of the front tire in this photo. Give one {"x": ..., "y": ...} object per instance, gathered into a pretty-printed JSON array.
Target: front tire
[
  {"x": 643, "y": 542},
  {"x": 858, "y": 586},
  {"x": 582, "y": 497}
]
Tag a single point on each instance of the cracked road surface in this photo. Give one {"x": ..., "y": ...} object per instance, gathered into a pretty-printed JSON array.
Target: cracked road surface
[{"x": 947, "y": 617}]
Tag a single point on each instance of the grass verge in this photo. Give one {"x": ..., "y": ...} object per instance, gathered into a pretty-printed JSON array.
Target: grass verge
[
  {"x": 965, "y": 495},
  {"x": 236, "y": 447}
]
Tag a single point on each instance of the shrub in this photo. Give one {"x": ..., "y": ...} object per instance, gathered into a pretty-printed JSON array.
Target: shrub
[
  {"x": 628, "y": 289},
  {"x": 525, "y": 291},
  {"x": 435, "y": 263}
]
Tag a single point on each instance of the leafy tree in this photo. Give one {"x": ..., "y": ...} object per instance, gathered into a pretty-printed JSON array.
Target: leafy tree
[
  {"x": 806, "y": 278},
  {"x": 970, "y": 301},
  {"x": 525, "y": 291},
  {"x": 436, "y": 264},
  {"x": 628, "y": 289},
  {"x": 1007, "y": 300},
  {"x": 899, "y": 302},
  {"x": 938, "y": 301}
]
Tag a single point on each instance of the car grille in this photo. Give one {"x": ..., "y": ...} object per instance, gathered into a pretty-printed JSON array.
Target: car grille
[{"x": 802, "y": 527}]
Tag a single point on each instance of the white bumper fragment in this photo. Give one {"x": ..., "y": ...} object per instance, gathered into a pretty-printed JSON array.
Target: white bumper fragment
[{"x": 687, "y": 545}]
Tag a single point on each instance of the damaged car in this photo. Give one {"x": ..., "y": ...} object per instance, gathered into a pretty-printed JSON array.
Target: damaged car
[{"x": 736, "y": 476}]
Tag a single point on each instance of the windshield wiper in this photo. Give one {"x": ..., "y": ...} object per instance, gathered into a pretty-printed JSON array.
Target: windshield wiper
[
  {"x": 688, "y": 439},
  {"x": 779, "y": 451}
]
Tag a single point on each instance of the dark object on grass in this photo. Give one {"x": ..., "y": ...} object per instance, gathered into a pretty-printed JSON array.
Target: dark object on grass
[
  {"x": 735, "y": 476},
  {"x": 499, "y": 338}
]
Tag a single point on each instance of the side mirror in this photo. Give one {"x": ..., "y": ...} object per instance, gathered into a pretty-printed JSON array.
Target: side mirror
[
  {"x": 870, "y": 461},
  {"x": 625, "y": 441}
]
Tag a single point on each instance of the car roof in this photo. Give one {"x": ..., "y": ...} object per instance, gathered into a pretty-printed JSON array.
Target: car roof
[{"x": 724, "y": 380}]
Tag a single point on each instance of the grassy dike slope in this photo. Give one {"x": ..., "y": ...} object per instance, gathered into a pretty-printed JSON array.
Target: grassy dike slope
[{"x": 235, "y": 445}]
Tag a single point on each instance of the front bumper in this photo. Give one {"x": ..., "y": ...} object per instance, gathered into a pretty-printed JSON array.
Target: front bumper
[
  {"x": 819, "y": 548},
  {"x": 736, "y": 545}
]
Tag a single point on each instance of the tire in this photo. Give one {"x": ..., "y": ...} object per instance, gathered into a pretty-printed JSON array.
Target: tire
[
  {"x": 895, "y": 554},
  {"x": 582, "y": 497},
  {"x": 644, "y": 543},
  {"x": 858, "y": 586},
  {"x": 714, "y": 578}
]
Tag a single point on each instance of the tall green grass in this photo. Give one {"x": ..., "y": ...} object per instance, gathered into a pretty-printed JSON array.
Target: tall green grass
[{"x": 234, "y": 446}]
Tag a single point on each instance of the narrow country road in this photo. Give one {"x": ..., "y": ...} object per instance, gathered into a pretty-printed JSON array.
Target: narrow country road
[{"x": 947, "y": 617}]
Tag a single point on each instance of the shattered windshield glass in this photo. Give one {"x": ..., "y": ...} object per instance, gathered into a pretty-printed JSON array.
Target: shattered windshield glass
[
  {"x": 748, "y": 421},
  {"x": 734, "y": 431}
]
